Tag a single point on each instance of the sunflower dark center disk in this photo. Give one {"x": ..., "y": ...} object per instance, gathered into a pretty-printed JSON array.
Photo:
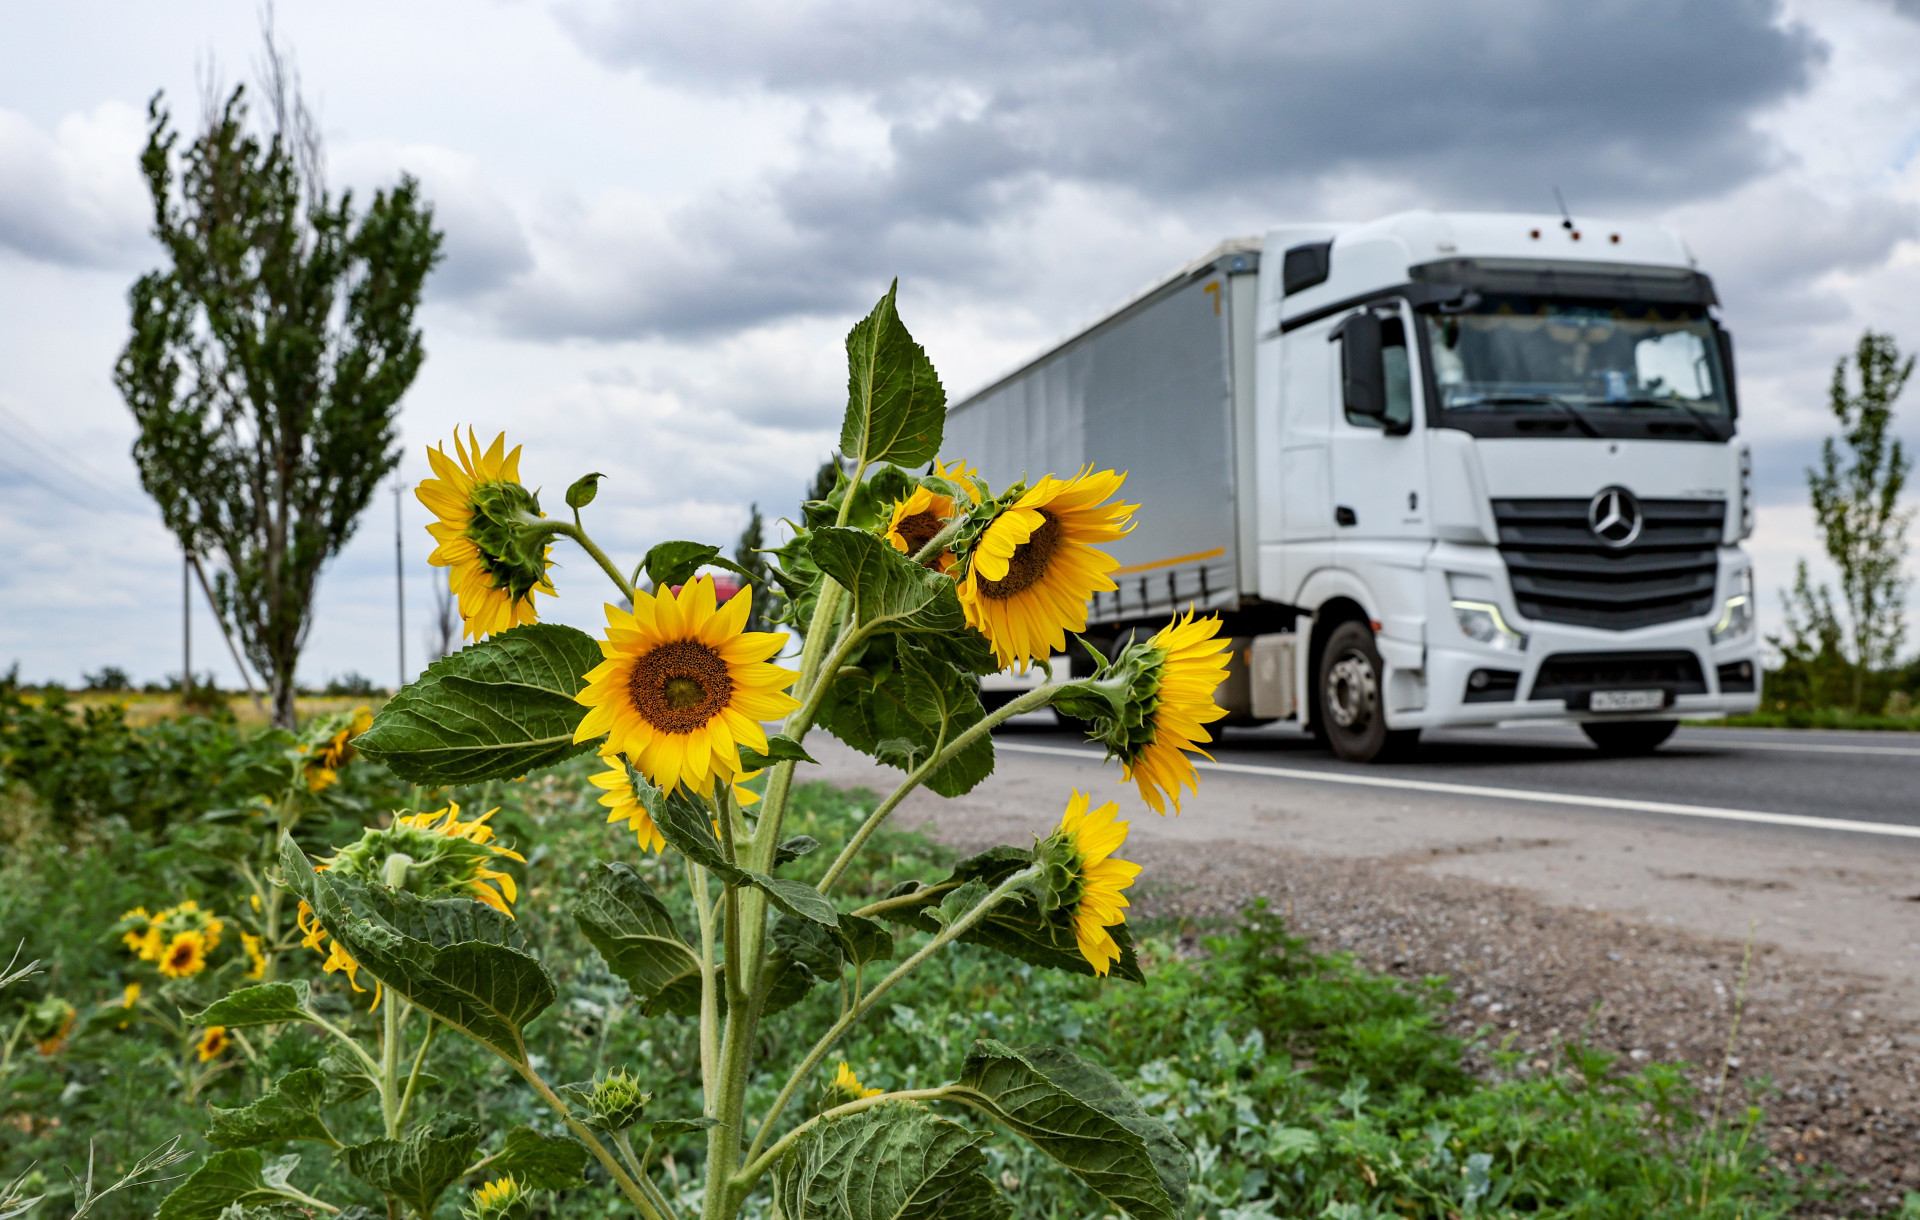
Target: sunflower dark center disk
[
  {"x": 1029, "y": 562},
  {"x": 918, "y": 530},
  {"x": 181, "y": 956},
  {"x": 679, "y": 687}
]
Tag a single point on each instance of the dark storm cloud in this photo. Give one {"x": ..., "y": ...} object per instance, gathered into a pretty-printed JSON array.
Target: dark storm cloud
[{"x": 989, "y": 104}]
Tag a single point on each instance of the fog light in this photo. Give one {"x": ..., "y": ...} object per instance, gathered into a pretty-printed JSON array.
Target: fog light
[{"x": 1482, "y": 623}]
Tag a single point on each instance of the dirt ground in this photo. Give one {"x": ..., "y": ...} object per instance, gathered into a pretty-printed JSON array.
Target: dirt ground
[{"x": 1549, "y": 922}]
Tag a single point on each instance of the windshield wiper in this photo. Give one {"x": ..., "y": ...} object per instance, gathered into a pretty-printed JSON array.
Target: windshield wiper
[
  {"x": 1523, "y": 400},
  {"x": 1694, "y": 415}
]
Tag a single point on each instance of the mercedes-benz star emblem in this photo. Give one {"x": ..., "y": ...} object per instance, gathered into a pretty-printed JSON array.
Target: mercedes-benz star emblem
[{"x": 1614, "y": 517}]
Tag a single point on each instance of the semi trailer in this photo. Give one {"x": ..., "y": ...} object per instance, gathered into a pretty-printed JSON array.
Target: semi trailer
[{"x": 1433, "y": 470}]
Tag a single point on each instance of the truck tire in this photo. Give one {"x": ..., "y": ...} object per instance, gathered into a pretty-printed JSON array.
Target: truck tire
[
  {"x": 1627, "y": 738},
  {"x": 1352, "y": 715}
]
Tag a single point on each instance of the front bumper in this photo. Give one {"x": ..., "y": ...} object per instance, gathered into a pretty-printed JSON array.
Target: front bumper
[{"x": 1588, "y": 659}]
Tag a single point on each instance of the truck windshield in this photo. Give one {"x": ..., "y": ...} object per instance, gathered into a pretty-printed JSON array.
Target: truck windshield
[{"x": 1512, "y": 353}]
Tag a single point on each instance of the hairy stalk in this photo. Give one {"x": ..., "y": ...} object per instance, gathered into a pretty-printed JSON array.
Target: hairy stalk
[
  {"x": 587, "y": 544},
  {"x": 709, "y": 989},
  {"x": 628, "y": 1186},
  {"x": 639, "y": 1167},
  {"x": 413, "y": 1077},
  {"x": 939, "y": 541},
  {"x": 767, "y": 1159},
  {"x": 946, "y": 937},
  {"x": 393, "y": 873},
  {"x": 1035, "y": 698}
]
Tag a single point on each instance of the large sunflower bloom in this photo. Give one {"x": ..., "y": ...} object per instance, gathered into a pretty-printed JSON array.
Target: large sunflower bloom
[
  {"x": 1193, "y": 666},
  {"x": 1032, "y": 569},
  {"x": 1092, "y": 838},
  {"x": 683, "y": 687},
  {"x": 918, "y": 518},
  {"x": 474, "y": 500}
]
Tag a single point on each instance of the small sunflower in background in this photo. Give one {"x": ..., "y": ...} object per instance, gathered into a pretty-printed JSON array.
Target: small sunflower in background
[
  {"x": 329, "y": 746},
  {"x": 213, "y": 1043},
  {"x": 50, "y": 1022},
  {"x": 479, "y": 503},
  {"x": 500, "y": 1199},
  {"x": 178, "y": 940},
  {"x": 1031, "y": 570},
  {"x": 919, "y": 518},
  {"x": 256, "y": 959},
  {"x": 684, "y": 686},
  {"x": 845, "y": 1087},
  {"x": 1083, "y": 877}
]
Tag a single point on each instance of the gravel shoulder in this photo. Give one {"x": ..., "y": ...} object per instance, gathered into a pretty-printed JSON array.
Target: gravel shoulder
[{"x": 1549, "y": 921}]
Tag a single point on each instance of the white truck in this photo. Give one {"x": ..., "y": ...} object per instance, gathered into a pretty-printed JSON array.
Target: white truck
[{"x": 1436, "y": 470}]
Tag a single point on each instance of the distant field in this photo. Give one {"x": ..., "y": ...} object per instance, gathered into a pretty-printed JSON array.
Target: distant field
[{"x": 143, "y": 709}]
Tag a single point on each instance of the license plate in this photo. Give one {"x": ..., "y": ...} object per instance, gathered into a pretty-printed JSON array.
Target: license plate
[{"x": 1627, "y": 700}]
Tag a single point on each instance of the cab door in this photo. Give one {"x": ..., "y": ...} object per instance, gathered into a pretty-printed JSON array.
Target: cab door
[{"x": 1377, "y": 437}]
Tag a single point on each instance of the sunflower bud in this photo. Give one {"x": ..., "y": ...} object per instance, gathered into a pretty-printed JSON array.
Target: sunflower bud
[
  {"x": 498, "y": 1200},
  {"x": 617, "y": 1102}
]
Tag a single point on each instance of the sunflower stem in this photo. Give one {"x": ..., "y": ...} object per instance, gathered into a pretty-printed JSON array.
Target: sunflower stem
[
  {"x": 938, "y": 542},
  {"x": 599, "y": 556},
  {"x": 611, "y": 1163},
  {"x": 947, "y": 936},
  {"x": 709, "y": 991},
  {"x": 1033, "y": 699}
]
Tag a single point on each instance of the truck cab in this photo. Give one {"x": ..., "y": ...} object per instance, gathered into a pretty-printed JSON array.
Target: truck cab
[{"x": 1433, "y": 470}]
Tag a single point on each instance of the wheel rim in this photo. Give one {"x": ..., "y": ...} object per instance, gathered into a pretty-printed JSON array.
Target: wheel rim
[{"x": 1353, "y": 693}]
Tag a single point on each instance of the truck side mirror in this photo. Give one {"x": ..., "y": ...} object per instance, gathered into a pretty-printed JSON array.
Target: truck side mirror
[
  {"x": 1362, "y": 373},
  {"x": 1725, "y": 339}
]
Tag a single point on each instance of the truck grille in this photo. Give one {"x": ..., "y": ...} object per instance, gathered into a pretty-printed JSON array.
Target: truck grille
[{"x": 1561, "y": 573}]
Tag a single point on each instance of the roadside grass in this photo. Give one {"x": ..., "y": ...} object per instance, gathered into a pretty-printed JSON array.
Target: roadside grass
[{"x": 1303, "y": 1084}]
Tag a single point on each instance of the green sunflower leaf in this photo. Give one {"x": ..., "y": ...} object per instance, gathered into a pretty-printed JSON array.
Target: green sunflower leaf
[
  {"x": 541, "y": 1162},
  {"x": 779, "y": 749},
  {"x": 667, "y": 1128},
  {"x": 687, "y": 826},
  {"x": 418, "y": 1169},
  {"x": 675, "y": 563},
  {"x": 222, "y": 1180},
  {"x": 890, "y": 591},
  {"x": 452, "y": 957},
  {"x": 864, "y": 940},
  {"x": 633, "y": 932},
  {"x": 793, "y": 847},
  {"x": 493, "y": 710},
  {"x": 893, "y": 1162},
  {"x": 795, "y": 898},
  {"x": 289, "y": 1110},
  {"x": 896, "y": 408},
  {"x": 260, "y": 1004},
  {"x": 1078, "y": 1114},
  {"x": 583, "y": 490}
]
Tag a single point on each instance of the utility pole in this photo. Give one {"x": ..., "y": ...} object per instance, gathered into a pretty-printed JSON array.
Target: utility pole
[
  {"x": 399, "y": 582},
  {"x": 186, "y": 624}
]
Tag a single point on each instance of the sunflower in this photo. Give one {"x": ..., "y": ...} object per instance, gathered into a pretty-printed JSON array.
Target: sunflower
[
  {"x": 1193, "y": 664},
  {"x": 847, "y": 1088},
  {"x": 498, "y": 1198},
  {"x": 480, "y": 880},
  {"x": 130, "y": 996},
  {"x": 479, "y": 501},
  {"x": 1084, "y": 845},
  {"x": 683, "y": 687},
  {"x": 332, "y": 749},
  {"x": 185, "y": 955},
  {"x": 143, "y": 940},
  {"x": 52, "y": 1020},
  {"x": 1031, "y": 571},
  {"x": 338, "y": 959},
  {"x": 624, "y": 801},
  {"x": 213, "y": 1043},
  {"x": 445, "y": 856},
  {"x": 256, "y": 960},
  {"x": 922, "y": 515}
]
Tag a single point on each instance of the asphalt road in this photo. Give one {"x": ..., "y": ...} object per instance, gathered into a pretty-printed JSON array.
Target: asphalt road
[{"x": 1859, "y": 777}]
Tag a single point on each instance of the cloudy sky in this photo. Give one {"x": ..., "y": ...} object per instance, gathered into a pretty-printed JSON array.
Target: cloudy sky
[{"x": 661, "y": 218}]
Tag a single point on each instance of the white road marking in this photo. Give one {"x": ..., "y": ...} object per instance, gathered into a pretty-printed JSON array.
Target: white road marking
[{"x": 1710, "y": 812}]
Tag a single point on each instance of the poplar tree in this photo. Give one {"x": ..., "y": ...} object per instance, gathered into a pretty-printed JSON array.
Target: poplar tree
[{"x": 268, "y": 358}]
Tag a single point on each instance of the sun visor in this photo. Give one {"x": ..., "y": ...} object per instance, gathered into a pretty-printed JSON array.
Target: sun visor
[{"x": 1580, "y": 280}]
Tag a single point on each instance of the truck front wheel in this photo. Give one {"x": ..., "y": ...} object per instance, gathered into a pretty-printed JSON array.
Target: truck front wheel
[
  {"x": 1624, "y": 738},
  {"x": 1352, "y": 715}
]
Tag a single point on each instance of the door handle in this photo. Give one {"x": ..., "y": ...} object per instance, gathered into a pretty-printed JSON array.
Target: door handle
[{"x": 1345, "y": 516}]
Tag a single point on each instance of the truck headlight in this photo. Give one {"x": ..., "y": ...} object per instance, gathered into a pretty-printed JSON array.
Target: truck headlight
[
  {"x": 1482, "y": 623},
  {"x": 1736, "y": 616}
]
